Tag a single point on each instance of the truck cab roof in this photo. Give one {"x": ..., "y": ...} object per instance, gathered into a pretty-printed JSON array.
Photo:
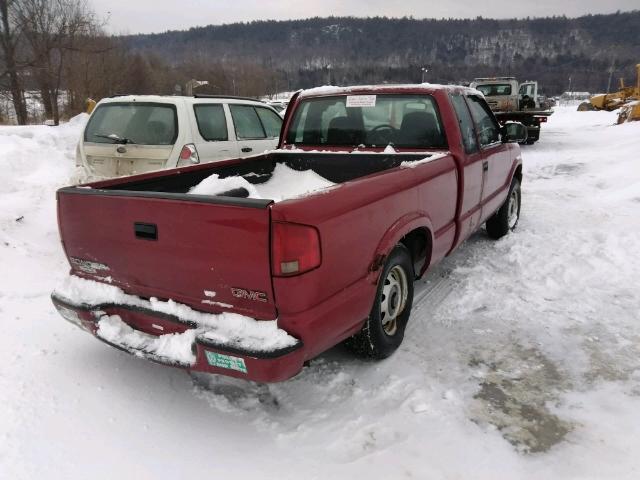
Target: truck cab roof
[{"x": 413, "y": 88}]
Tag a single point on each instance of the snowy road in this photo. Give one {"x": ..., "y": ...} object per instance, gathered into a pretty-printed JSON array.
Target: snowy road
[{"x": 521, "y": 359}]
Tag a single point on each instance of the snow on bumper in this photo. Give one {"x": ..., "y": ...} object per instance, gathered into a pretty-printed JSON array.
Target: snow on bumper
[{"x": 174, "y": 334}]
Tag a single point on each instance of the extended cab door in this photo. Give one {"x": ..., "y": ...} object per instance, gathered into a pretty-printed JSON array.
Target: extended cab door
[
  {"x": 257, "y": 128},
  {"x": 472, "y": 169},
  {"x": 496, "y": 156}
]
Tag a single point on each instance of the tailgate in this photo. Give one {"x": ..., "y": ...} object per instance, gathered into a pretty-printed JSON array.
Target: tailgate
[{"x": 210, "y": 253}]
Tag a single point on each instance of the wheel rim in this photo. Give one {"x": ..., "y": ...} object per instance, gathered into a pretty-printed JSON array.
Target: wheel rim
[
  {"x": 394, "y": 298},
  {"x": 512, "y": 209}
]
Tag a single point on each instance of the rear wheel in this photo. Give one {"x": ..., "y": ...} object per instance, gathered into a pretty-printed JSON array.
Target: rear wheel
[
  {"x": 506, "y": 218},
  {"x": 383, "y": 331}
]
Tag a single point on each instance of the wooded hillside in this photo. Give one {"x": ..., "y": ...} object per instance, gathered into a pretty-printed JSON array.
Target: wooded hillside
[{"x": 303, "y": 53}]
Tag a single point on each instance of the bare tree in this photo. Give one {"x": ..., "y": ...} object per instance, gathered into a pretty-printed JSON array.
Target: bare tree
[
  {"x": 51, "y": 29},
  {"x": 9, "y": 38}
]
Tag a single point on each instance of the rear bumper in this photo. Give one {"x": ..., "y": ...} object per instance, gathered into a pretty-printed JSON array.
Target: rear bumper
[{"x": 205, "y": 356}]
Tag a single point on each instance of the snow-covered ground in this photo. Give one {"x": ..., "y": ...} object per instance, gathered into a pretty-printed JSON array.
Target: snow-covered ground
[{"x": 521, "y": 359}]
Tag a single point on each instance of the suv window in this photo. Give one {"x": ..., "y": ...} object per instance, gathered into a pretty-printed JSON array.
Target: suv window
[
  {"x": 488, "y": 129},
  {"x": 466, "y": 124},
  {"x": 212, "y": 122},
  {"x": 271, "y": 121},
  {"x": 247, "y": 122},
  {"x": 140, "y": 123}
]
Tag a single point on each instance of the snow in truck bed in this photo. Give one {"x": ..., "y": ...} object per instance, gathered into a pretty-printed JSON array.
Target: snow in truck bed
[{"x": 285, "y": 183}]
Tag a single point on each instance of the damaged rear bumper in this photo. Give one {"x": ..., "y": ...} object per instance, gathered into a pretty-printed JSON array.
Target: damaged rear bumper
[{"x": 148, "y": 329}]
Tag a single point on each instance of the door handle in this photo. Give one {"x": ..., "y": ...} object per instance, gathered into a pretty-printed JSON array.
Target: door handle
[
  {"x": 485, "y": 166},
  {"x": 145, "y": 231},
  {"x": 247, "y": 149}
]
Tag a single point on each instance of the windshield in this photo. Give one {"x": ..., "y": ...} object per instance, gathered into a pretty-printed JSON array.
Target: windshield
[
  {"x": 139, "y": 123},
  {"x": 495, "y": 89},
  {"x": 409, "y": 121}
]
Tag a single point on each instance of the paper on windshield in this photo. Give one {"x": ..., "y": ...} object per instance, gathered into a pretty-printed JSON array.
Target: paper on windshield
[{"x": 361, "y": 101}]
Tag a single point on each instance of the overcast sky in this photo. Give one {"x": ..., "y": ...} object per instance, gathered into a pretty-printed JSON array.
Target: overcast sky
[{"x": 145, "y": 16}]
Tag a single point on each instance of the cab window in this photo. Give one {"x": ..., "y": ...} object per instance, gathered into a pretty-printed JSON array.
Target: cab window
[
  {"x": 486, "y": 125},
  {"x": 495, "y": 89},
  {"x": 466, "y": 124}
]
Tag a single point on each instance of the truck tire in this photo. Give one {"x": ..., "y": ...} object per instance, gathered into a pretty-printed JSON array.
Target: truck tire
[
  {"x": 383, "y": 331},
  {"x": 506, "y": 218}
]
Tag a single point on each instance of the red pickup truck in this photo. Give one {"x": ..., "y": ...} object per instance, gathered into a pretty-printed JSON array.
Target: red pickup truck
[{"x": 250, "y": 267}]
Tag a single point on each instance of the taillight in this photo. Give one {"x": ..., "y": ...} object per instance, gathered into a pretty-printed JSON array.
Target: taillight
[
  {"x": 189, "y": 153},
  {"x": 295, "y": 249},
  {"x": 542, "y": 119}
]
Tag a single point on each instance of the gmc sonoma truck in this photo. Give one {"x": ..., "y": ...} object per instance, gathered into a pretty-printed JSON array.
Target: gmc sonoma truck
[{"x": 219, "y": 268}]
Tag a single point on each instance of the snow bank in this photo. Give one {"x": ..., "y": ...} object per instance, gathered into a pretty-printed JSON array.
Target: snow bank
[
  {"x": 285, "y": 183},
  {"x": 537, "y": 330},
  {"x": 35, "y": 160},
  {"x": 226, "y": 329}
]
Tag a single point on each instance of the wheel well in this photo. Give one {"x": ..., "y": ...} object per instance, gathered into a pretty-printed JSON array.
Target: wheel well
[
  {"x": 418, "y": 242},
  {"x": 518, "y": 173}
]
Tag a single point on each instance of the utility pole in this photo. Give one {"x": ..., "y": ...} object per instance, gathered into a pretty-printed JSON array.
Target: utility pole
[
  {"x": 424, "y": 72},
  {"x": 611, "y": 70}
]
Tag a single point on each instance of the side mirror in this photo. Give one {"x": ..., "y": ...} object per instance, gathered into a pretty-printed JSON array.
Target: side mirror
[{"x": 514, "y": 132}]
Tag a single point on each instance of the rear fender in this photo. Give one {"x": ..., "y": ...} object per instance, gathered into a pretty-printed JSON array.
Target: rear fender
[{"x": 395, "y": 233}]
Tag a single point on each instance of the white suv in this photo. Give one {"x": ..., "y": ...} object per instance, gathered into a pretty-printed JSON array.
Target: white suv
[{"x": 126, "y": 135}]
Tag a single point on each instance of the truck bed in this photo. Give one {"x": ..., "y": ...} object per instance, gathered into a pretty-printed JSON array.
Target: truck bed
[
  {"x": 335, "y": 167},
  {"x": 150, "y": 237}
]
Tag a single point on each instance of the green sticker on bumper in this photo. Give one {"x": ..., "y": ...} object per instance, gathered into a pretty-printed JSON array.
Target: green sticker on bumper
[{"x": 226, "y": 361}]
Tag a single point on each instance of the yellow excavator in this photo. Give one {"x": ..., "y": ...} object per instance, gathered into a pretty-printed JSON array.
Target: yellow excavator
[{"x": 627, "y": 99}]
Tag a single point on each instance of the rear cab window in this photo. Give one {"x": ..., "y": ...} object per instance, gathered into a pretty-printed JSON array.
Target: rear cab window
[
  {"x": 495, "y": 89},
  {"x": 404, "y": 121},
  {"x": 133, "y": 122}
]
